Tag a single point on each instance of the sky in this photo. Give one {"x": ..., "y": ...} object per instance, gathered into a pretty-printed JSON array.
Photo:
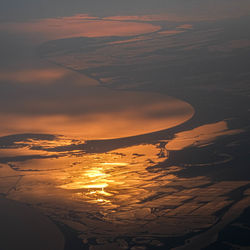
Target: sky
[{"x": 28, "y": 9}]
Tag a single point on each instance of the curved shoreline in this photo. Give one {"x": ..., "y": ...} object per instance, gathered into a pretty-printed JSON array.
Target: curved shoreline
[{"x": 96, "y": 113}]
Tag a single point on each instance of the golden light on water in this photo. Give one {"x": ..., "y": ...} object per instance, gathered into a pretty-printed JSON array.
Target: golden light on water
[
  {"x": 93, "y": 178},
  {"x": 114, "y": 164},
  {"x": 116, "y": 178},
  {"x": 94, "y": 173},
  {"x": 93, "y": 120},
  {"x": 103, "y": 153},
  {"x": 89, "y": 116},
  {"x": 110, "y": 177},
  {"x": 201, "y": 135}
]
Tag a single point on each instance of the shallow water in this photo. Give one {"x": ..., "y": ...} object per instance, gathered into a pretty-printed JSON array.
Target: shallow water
[{"x": 91, "y": 137}]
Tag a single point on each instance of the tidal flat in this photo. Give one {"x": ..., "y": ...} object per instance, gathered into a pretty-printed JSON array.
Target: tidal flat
[{"x": 134, "y": 141}]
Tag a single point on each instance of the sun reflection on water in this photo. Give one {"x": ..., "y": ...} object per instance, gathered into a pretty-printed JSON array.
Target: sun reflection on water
[
  {"x": 119, "y": 178},
  {"x": 110, "y": 177},
  {"x": 114, "y": 193}
]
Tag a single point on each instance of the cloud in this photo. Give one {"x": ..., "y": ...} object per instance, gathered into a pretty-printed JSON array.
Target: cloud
[{"x": 174, "y": 9}]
